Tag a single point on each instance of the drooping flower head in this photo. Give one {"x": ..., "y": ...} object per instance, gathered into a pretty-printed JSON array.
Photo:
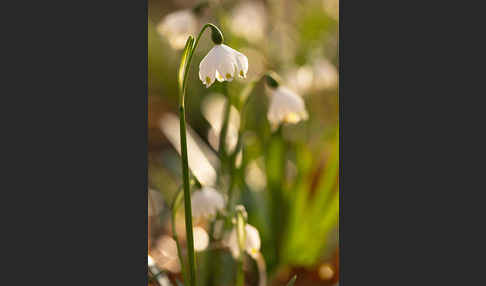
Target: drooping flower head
[
  {"x": 252, "y": 242},
  {"x": 285, "y": 105},
  {"x": 177, "y": 26},
  {"x": 206, "y": 203},
  {"x": 222, "y": 62}
]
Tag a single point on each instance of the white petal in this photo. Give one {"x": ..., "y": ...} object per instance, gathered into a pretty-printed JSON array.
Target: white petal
[
  {"x": 225, "y": 66},
  {"x": 207, "y": 68},
  {"x": 231, "y": 241},
  {"x": 201, "y": 238},
  {"x": 253, "y": 242},
  {"x": 206, "y": 74},
  {"x": 239, "y": 59},
  {"x": 242, "y": 64}
]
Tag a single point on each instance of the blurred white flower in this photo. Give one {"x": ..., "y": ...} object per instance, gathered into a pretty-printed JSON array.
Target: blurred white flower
[
  {"x": 285, "y": 107},
  {"x": 248, "y": 20},
  {"x": 254, "y": 175},
  {"x": 167, "y": 246},
  {"x": 321, "y": 75},
  {"x": 198, "y": 155},
  {"x": 201, "y": 238},
  {"x": 301, "y": 78},
  {"x": 206, "y": 202},
  {"x": 222, "y": 63},
  {"x": 213, "y": 110},
  {"x": 252, "y": 242},
  {"x": 325, "y": 74},
  {"x": 165, "y": 254},
  {"x": 177, "y": 27}
]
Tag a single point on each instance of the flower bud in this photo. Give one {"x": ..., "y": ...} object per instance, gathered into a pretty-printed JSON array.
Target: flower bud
[
  {"x": 271, "y": 80},
  {"x": 216, "y": 35}
]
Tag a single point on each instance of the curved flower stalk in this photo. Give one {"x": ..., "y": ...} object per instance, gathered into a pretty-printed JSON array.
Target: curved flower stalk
[
  {"x": 218, "y": 61},
  {"x": 285, "y": 105}
]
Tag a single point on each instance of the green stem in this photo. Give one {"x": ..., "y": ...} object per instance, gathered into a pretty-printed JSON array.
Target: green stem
[
  {"x": 240, "y": 276},
  {"x": 175, "y": 207},
  {"x": 185, "y": 167},
  {"x": 241, "y": 239},
  {"x": 187, "y": 199},
  {"x": 224, "y": 127}
]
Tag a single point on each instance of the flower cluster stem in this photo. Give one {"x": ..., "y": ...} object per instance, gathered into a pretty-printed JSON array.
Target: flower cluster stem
[
  {"x": 185, "y": 167},
  {"x": 187, "y": 199},
  {"x": 175, "y": 207}
]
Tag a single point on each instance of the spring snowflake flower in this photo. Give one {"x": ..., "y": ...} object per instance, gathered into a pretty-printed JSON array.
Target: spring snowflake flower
[
  {"x": 252, "y": 242},
  {"x": 206, "y": 203},
  {"x": 177, "y": 26},
  {"x": 285, "y": 107},
  {"x": 222, "y": 63}
]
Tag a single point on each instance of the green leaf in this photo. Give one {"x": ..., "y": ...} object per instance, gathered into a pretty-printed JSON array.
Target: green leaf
[
  {"x": 184, "y": 58},
  {"x": 292, "y": 281}
]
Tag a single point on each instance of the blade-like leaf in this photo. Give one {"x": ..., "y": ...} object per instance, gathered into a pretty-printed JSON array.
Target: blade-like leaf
[
  {"x": 184, "y": 58},
  {"x": 292, "y": 281}
]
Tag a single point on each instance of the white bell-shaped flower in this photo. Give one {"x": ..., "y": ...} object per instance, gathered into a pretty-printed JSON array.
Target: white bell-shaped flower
[
  {"x": 222, "y": 63},
  {"x": 177, "y": 26},
  {"x": 285, "y": 107},
  {"x": 206, "y": 203},
  {"x": 252, "y": 242}
]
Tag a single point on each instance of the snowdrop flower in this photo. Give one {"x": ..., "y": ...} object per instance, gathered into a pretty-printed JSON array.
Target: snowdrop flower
[
  {"x": 252, "y": 242},
  {"x": 206, "y": 203},
  {"x": 177, "y": 26},
  {"x": 222, "y": 63},
  {"x": 285, "y": 105}
]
